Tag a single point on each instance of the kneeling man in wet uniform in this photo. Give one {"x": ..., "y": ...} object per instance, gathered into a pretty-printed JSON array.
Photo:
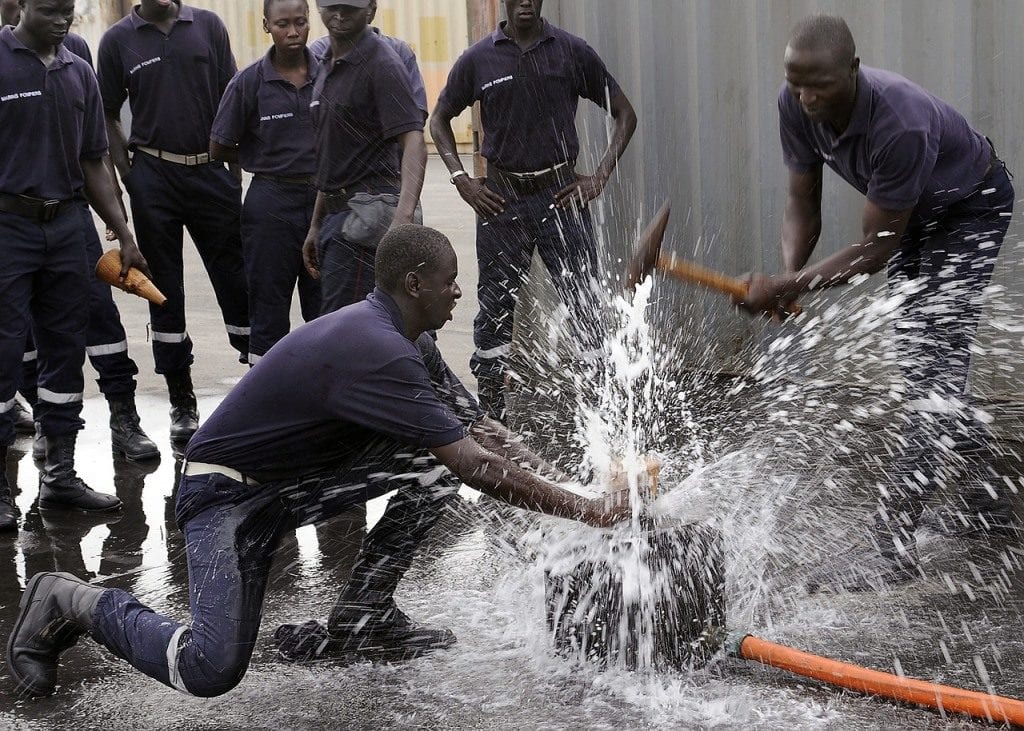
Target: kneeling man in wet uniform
[{"x": 344, "y": 409}]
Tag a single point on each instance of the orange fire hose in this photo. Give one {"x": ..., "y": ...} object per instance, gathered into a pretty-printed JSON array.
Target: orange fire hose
[{"x": 991, "y": 708}]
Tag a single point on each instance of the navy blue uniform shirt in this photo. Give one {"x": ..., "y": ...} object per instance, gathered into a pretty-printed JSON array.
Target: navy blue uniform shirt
[
  {"x": 268, "y": 119},
  {"x": 321, "y": 48},
  {"x": 78, "y": 46},
  {"x": 361, "y": 103},
  {"x": 903, "y": 148},
  {"x": 51, "y": 120},
  {"x": 173, "y": 82},
  {"x": 528, "y": 98},
  {"x": 329, "y": 389}
]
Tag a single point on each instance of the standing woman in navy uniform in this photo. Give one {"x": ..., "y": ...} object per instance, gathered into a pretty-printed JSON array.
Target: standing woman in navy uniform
[
  {"x": 106, "y": 343},
  {"x": 264, "y": 125},
  {"x": 172, "y": 63},
  {"x": 52, "y": 117}
]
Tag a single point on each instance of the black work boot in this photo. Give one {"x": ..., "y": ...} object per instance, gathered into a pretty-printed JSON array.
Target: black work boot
[
  {"x": 60, "y": 486},
  {"x": 8, "y": 511},
  {"x": 361, "y": 631},
  {"x": 126, "y": 435},
  {"x": 56, "y": 609},
  {"x": 184, "y": 410},
  {"x": 23, "y": 423}
]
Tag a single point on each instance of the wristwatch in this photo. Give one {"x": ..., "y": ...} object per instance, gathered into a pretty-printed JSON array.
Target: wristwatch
[{"x": 456, "y": 174}]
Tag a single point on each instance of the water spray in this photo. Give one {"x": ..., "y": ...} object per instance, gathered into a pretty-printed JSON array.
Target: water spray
[{"x": 599, "y": 612}]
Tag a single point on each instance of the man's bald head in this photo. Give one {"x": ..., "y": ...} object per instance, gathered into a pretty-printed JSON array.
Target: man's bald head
[{"x": 825, "y": 33}]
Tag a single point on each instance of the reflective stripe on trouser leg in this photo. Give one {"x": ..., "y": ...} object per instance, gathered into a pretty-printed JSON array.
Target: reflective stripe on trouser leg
[
  {"x": 60, "y": 315},
  {"x": 173, "y": 648},
  {"x": 29, "y": 370},
  {"x": 229, "y": 548},
  {"x": 504, "y": 250},
  {"x": 159, "y": 205},
  {"x": 216, "y": 229},
  {"x": 105, "y": 338}
]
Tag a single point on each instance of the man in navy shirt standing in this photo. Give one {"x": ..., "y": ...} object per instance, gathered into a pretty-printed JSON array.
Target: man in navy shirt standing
[
  {"x": 172, "y": 63},
  {"x": 938, "y": 204},
  {"x": 51, "y": 114},
  {"x": 346, "y": 408},
  {"x": 264, "y": 124},
  {"x": 529, "y": 77},
  {"x": 321, "y": 48},
  {"x": 372, "y": 156},
  {"x": 106, "y": 341}
]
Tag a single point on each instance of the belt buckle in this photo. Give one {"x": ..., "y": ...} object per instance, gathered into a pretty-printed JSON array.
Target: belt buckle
[
  {"x": 49, "y": 210},
  {"x": 191, "y": 160}
]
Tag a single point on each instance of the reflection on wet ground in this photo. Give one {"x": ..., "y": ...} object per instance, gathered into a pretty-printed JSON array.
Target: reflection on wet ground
[{"x": 480, "y": 577}]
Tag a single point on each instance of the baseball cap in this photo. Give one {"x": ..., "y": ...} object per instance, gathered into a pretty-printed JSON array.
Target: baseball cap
[{"x": 353, "y": 3}]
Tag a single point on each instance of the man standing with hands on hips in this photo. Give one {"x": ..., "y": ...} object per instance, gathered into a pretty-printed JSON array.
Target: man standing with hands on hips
[
  {"x": 529, "y": 77},
  {"x": 371, "y": 154}
]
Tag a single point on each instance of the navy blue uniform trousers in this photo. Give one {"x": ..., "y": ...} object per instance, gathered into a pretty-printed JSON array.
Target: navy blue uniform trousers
[
  {"x": 44, "y": 284},
  {"x": 275, "y": 219},
  {"x": 231, "y": 532},
  {"x": 106, "y": 343},
  {"x": 947, "y": 262},
  {"x": 504, "y": 249},
  {"x": 346, "y": 268},
  {"x": 206, "y": 199}
]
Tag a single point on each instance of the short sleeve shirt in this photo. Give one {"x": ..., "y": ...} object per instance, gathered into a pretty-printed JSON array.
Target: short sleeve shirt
[
  {"x": 321, "y": 48},
  {"x": 528, "y": 99},
  {"x": 903, "y": 148},
  {"x": 268, "y": 119},
  {"x": 361, "y": 103},
  {"x": 51, "y": 118},
  {"x": 173, "y": 83},
  {"x": 328, "y": 390}
]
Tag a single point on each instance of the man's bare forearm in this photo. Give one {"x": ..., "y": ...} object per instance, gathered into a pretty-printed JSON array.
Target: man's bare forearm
[
  {"x": 118, "y": 146},
  {"x": 495, "y": 437}
]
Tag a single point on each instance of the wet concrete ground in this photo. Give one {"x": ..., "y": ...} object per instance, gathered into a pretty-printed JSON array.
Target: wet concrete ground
[{"x": 478, "y": 575}]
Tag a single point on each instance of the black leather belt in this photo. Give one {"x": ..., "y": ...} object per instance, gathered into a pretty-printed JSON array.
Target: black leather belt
[
  {"x": 287, "y": 179},
  {"x": 530, "y": 182},
  {"x": 38, "y": 209}
]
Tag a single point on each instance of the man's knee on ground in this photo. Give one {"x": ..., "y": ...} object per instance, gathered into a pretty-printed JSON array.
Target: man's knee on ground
[{"x": 212, "y": 682}]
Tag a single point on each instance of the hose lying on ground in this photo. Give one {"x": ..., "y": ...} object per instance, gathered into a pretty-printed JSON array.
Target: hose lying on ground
[{"x": 991, "y": 708}]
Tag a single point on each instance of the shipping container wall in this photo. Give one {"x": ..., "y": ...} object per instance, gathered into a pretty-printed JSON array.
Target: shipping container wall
[
  {"x": 704, "y": 76},
  {"x": 437, "y": 30}
]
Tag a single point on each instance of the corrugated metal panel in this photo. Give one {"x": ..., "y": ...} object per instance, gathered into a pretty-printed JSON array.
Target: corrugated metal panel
[
  {"x": 703, "y": 76},
  {"x": 437, "y": 30}
]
